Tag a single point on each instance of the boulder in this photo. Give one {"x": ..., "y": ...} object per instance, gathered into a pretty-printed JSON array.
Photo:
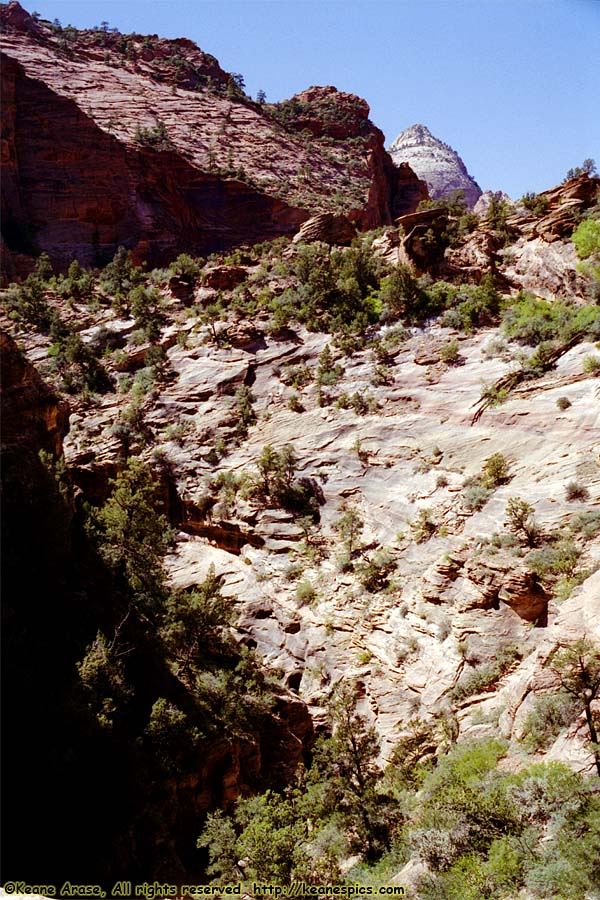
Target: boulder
[{"x": 326, "y": 227}]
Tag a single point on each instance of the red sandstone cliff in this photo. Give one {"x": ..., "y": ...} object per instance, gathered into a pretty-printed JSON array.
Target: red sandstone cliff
[{"x": 113, "y": 139}]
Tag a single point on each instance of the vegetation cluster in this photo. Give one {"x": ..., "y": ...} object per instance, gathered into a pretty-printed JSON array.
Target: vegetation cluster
[{"x": 481, "y": 832}]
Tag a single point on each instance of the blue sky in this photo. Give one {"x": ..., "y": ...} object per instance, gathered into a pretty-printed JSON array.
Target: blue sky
[{"x": 512, "y": 85}]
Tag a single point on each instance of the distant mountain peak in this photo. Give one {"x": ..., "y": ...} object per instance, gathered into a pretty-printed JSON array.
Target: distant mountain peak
[
  {"x": 435, "y": 162},
  {"x": 418, "y": 131}
]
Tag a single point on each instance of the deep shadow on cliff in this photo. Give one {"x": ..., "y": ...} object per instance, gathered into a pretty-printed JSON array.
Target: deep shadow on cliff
[
  {"x": 83, "y": 802},
  {"x": 83, "y": 196}
]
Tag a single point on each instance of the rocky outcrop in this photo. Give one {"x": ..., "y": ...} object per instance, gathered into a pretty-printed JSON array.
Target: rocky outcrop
[
  {"x": 422, "y": 241},
  {"x": 560, "y": 209},
  {"x": 539, "y": 257},
  {"x": 121, "y": 140},
  {"x": 483, "y": 203},
  {"x": 34, "y": 418},
  {"x": 435, "y": 162},
  {"x": 326, "y": 227}
]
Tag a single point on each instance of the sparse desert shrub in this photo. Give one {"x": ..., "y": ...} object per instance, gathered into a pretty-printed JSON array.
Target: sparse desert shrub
[
  {"x": 563, "y": 403},
  {"x": 177, "y": 432},
  {"x": 586, "y": 524},
  {"x": 494, "y": 395},
  {"x": 328, "y": 372},
  {"x": 591, "y": 364},
  {"x": 305, "y": 592},
  {"x": 494, "y": 471},
  {"x": 497, "y": 213},
  {"x": 362, "y": 454},
  {"x": 156, "y": 137},
  {"x": 441, "y": 481},
  {"x": 550, "y": 714},
  {"x": 479, "y": 679},
  {"x": 185, "y": 266},
  {"x": 496, "y": 346},
  {"x": 374, "y": 574},
  {"x": 244, "y": 410},
  {"x": 503, "y": 540},
  {"x": 576, "y": 491},
  {"x": 349, "y": 527},
  {"x": 449, "y": 353},
  {"x": 476, "y": 496},
  {"x": 424, "y": 526},
  {"x": 560, "y": 559},
  {"x": 535, "y": 203},
  {"x": 297, "y": 376},
  {"x": 295, "y": 404},
  {"x": 519, "y": 515}
]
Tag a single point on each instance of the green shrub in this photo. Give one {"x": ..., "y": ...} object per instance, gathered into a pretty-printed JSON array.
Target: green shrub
[
  {"x": 374, "y": 574},
  {"x": 550, "y": 714},
  {"x": 497, "y": 213},
  {"x": 586, "y": 523},
  {"x": 305, "y": 592},
  {"x": 470, "y": 306},
  {"x": 494, "y": 471},
  {"x": 591, "y": 364},
  {"x": 328, "y": 372},
  {"x": 520, "y": 519},
  {"x": 449, "y": 353},
  {"x": 296, "y": 376},
  {"x": 531, "y": 320},
  {"x": 295, "y": 404},
  {"x": 27, "y": 303},
  {"x": 146, "y": 305},
  {"x": 338, "y": 289},
  {"x": 485, "y": 676},
  {"x": 560, "y": 559},
  {"x": 185, "y": 266},
  {"x": 493, "y": 395},
  {"x": 349, "y": 527},
  {"x": 244, "y": 410},
  {"x": 586, "y": 238},
  {"x": 535, "y": 203},
  {"x": 424, "y": 526},
  {"x": 156, "y": 137},
  {"x": 402, "y": 294},
  {"x": 476, "y": 496}
]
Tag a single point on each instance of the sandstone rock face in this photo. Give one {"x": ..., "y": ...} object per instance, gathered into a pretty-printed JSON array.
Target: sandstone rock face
[
  {"x": 435, "y": 162},
  {"x": 115, "y": 139},
  {"x": 326, "y": 227},
  {"x": 458, "y": 599}
]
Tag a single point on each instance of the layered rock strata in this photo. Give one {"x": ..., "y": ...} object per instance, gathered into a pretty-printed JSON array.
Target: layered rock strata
[{"x": 114, "y": 139}]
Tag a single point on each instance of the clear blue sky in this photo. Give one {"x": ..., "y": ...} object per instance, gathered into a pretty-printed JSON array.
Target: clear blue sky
[{"x": 512, "y": 85}]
